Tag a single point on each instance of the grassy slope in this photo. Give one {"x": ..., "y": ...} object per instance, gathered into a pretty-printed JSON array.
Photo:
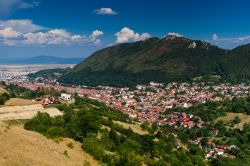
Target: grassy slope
[
  {"x": 2, "y": 90},
  {"x": 135, "y": 127},
  {"x": 230, "y": 116},
  {"x": 22, "y": 147},
  {"x": 18, "y": 102}
]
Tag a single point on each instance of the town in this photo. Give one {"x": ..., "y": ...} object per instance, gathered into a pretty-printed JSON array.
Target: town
[
  {"x": 143, "y": 102},
  {"x": 147, "y": 103}
]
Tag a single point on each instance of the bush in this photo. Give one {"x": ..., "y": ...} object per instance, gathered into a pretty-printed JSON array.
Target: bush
[
  {"x": 41, "y": 123},
  {"x": 70, "y": 145},
  {"x": 3, "y": 98},
  {"x": 82, "y": 123},
  {"x": 55, "y": 131},
  {"x": 236, "y": 120},
  {"x": 91, "y": 145},
  {"x": 66, "y": 153}
]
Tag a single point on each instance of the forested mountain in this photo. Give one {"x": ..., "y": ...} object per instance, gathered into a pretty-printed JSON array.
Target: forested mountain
[
  {"x": 235, "y": 67},
  {"x": 169, "y": 59}
]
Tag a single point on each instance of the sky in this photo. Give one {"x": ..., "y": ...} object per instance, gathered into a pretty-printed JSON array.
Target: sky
[{"x": 77, "y": 28}]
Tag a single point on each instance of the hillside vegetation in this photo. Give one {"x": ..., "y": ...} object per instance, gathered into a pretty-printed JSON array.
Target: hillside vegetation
[
  {"x": 162, "y": 60},
  {"x": 48, "y": 73},
  {"x": 114, "y": 139},
  {"x": 105, "y": 133}
]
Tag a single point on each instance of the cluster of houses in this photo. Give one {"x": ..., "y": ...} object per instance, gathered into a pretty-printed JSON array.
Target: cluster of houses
[
  {"x": 220, "y": 150},
  {"x": 146, "y": 102},
  {"x": 212, "y": 150},
  {"x": 180, "y": 119},
  {"x": 46, "y": 100}
]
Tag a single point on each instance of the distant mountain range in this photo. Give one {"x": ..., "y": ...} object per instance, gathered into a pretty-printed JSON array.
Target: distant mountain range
[
  {"x": 163, "y": 60},
  {"x": 43, "y": 59}
]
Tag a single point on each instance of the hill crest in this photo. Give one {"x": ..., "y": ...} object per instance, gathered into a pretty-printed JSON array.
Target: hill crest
[{"x": 173, "y": 58}]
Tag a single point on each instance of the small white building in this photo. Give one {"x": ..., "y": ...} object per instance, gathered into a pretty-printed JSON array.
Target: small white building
[
  {"x": 66, "y": 97},
  {"x": 155, "y": 84}
]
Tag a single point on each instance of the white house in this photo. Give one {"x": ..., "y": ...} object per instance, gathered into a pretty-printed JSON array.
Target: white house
[{"x": 66, "y": 97}]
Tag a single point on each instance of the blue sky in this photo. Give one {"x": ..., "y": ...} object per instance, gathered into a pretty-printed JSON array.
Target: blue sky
[{"x": 76, "y": 28}]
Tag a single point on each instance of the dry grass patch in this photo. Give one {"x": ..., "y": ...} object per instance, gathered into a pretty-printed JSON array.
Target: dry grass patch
[
  {"x": 19, "y": 102},
  {"x": 26, "y": 111},
  {"x": 135, "y": 127},
  {"x": 230, "y": 116},
  {"x": 2, "y": 90},
  {"x": 22, "y": 147}
]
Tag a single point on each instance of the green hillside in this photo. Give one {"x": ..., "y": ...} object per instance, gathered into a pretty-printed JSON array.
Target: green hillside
[
  {"x": 168, "y": 59},
  {"x": 48, "y": 73},
  {"x": 235, "y": 67},
  {"x": 103, "y": 134}
]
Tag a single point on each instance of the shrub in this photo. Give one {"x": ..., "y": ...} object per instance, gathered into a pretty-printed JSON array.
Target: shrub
[
  {"x": 3, "y": 98},
  {"x": 66, "y": 153},
  {"x": 70, "y": 145},
  {"x": 236, "y": 120},
  {"x": 55, "y": 131},
  {"x": 41, "y": 123}
]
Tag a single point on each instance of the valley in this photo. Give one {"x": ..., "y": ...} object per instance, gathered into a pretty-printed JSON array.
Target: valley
[
  {"x": 105, "y": 117},
  {"x": 124, "y": 83}
]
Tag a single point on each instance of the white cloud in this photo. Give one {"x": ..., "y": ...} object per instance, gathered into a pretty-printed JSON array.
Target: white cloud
[
  {"x": 143, "y": 36},
  {"x": 126, "y": 34},
  {"x": 96, "y": 34},
  {"x": 174, "y": 34},
  {"x": 9, "y": 6},
  {"x": 23, "y": 26},
  {"x": 94, "y": 37},
  {"x": 51, "y": 37},
  {"x": 215, "y": 37},
  {"x": 24, "y": 32},
  {"x": 8, "y": 33},
  {"x": 105, "y": 11},
  {"x": 76, "y": 37},
  {"x": 59, "y": 33},
  {"x": 25, "y": 5},
  {"x": 230, "y": 42},
  {"x": 97, "y": 42}
]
